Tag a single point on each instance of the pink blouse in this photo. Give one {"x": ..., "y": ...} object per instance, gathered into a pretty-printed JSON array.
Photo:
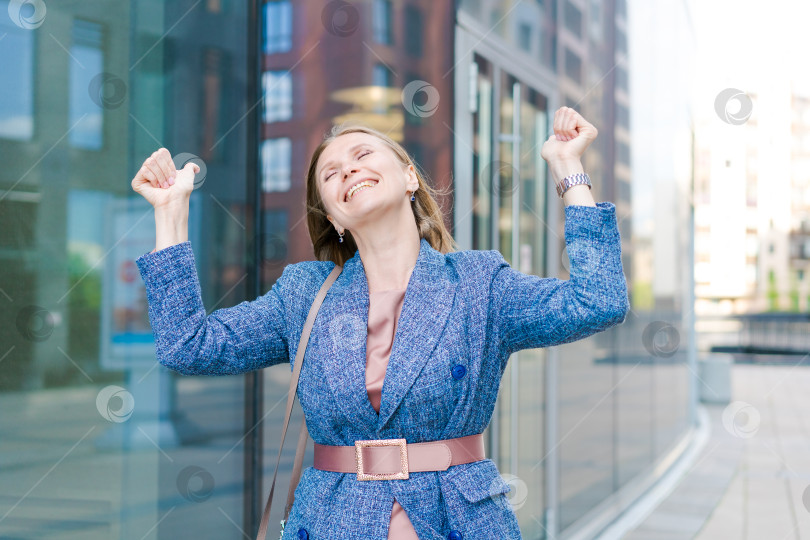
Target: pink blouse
[{"x": 383, "y": 313}]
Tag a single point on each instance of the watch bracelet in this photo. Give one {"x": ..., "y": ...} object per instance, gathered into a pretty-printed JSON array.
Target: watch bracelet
[{"x": 573, "y": 180}]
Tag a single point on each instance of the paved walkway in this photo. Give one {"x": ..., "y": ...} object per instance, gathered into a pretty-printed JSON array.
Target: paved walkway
[{"x": 752, "y": 479}]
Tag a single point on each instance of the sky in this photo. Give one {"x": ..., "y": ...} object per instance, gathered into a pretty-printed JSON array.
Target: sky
[
  {"x": 751, "y": 46},
  {"x": 749, "y": 43}
]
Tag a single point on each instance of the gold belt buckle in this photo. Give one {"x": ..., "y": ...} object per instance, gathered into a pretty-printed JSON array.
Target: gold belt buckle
[{"x": 403, "y": 457}]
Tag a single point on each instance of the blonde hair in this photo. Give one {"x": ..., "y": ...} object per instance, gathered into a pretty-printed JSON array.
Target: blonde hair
[{"x": 325, "y": 240}]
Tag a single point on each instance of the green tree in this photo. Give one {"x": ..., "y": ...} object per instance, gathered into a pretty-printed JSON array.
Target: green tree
[
  {"x": 794, "y": 292},
  {"x": 773, "y": 294}
]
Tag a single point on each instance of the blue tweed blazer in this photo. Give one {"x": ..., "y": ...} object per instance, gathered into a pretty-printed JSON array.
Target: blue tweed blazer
[{"x": 468, "y": 308}]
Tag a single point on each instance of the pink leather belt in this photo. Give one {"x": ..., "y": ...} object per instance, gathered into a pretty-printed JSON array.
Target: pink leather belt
[{"x": 393, "y": 459}]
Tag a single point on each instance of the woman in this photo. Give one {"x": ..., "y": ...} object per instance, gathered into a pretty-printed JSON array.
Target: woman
[{"x": 436, "y": 325}]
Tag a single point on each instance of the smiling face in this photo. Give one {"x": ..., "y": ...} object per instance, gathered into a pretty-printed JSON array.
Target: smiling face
[{"x": 359, "y": 176}]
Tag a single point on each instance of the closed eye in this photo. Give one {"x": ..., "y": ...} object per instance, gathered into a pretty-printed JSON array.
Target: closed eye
[{"x": 362, "y": 154}]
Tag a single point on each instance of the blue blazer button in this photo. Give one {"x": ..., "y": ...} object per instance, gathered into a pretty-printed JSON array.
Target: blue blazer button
[
  {"x": 454, "y": 535},
  {"x": 458, "y": 372},
  {"x": 303, "y": 534}
]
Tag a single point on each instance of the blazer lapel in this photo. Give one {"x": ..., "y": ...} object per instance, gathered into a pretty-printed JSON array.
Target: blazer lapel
[
  {"x": 343, "y": 331},
  {"x": 343, "y": 320},
  {"x": 425, "y": 308}
]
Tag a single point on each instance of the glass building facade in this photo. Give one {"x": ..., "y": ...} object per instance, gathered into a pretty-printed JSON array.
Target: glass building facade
[{"x": 99, "y": 441}]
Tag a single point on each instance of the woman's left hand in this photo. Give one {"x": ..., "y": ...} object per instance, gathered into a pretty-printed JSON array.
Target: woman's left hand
[{"x": 572, "y": 135}]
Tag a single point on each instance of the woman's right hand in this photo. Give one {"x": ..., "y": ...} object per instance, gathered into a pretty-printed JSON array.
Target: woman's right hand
[{"x": 160, "y": 183}]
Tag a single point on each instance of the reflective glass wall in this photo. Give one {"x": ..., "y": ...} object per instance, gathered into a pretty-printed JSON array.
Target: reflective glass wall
[
  {"x": 96, "y": 439},
  {"x": 574, "y": 424}
]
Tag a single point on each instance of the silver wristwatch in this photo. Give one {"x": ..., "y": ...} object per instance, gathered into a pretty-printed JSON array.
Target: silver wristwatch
[{"x": 573, "y": 180}]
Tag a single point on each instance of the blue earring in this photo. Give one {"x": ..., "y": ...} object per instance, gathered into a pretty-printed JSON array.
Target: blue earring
[
  {"x": 412, "y": 197},
  {"x": 341, "y": 236}
]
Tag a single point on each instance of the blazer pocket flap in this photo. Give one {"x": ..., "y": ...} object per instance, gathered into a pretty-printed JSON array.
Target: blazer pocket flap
[{"x": 478, "y": 480}]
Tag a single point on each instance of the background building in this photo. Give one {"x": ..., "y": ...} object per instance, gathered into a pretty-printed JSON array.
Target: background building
[
  {"x": 132, "y": 450},
  {"x": 751, "y": 168},
  {"x": 762, "y": 228},
  {"x": 799, "y": 236}
]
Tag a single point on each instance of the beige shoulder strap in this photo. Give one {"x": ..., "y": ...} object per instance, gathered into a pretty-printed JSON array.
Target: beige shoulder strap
[{"x": 302, "y": 439}]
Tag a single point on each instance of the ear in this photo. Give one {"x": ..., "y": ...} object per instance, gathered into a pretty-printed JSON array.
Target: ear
[{"x": 413, "y": 181}]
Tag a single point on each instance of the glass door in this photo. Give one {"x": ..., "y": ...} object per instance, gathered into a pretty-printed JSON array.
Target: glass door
[
  {"x": 481, "y": 154},
  {"x": 509, "y": 122}
]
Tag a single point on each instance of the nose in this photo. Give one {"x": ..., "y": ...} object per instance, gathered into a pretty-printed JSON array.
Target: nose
[{"x": 349, "y": 170}]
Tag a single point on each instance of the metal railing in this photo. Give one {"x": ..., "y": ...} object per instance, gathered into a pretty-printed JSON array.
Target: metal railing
[{"x": 757, "y": 333}]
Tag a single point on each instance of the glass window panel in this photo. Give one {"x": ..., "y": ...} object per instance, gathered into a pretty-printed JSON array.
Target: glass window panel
[
  {"x": 586, "y": 427},
  {"x": 16, "y": 64},
  {"x": 622, "y": 116},
  {"x": 482, "y": 157},
  {"x": 278, "y": 92},
  {"x": 273, "y": 246},
  {"x": 573, "y": 66},
  {"x": 413, "y": 30},
  {"x": 383, "y": 22},
  {"x": 621, "y": 8},
  {"x": 215, "y": 105},
  {"x": 86, "y": 116},
  {"x": 621, "y": 79},
  {"x": 573, "y": 18},
  {"x": 529, "y": 26},
  {"x": 621, "y": 42},
  {"x": 507, "y": 170},
  {"x": 277, "y": 26},
  {"x": 18, "y": 215},
  {"x": 596, "y": 19},
  {"x": 276, "y": 157},
  {"x": 623, "y": 153},
  {"x": 525, "y": 37}
]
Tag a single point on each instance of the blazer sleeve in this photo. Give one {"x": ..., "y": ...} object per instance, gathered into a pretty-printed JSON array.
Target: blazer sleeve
[
  {"x": 531, "y": 312},
  {"x": 237, "y": 339}
]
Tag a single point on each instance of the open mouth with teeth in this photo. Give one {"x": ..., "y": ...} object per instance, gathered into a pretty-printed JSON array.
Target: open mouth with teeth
[{"x": 365, "y": 184}]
